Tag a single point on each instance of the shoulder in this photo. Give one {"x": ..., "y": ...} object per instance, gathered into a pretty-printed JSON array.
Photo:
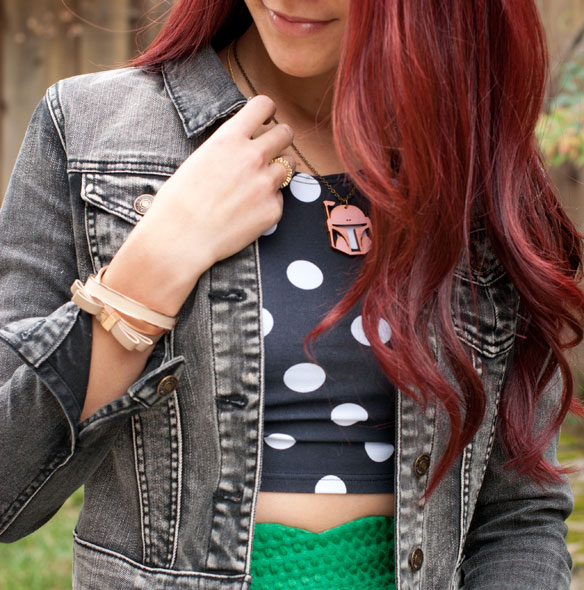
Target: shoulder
[
  {"x": 104, "y": 115},
  {"x": 108, "y": 91},
  {"x": 99, "y": 97}
]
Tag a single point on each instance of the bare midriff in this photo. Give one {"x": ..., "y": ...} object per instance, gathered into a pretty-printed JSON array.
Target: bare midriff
[{"x": 318, "y": 512}]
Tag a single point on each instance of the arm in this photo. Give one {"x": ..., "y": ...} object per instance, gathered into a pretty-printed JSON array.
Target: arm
[
  {"x": 517, "y": 536},
  {"x": 45, "y": 345},
  {"x": 56, "y": 368}
]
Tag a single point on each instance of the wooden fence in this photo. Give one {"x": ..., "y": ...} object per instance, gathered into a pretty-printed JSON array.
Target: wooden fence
[{"x": 45, "y": 40}]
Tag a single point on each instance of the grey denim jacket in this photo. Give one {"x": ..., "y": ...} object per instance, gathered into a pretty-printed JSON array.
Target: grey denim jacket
[{"x": 172, "y": 468}]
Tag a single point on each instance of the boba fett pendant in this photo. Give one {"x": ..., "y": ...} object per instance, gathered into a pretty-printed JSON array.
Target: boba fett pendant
[{"x": 349, "y": 229}]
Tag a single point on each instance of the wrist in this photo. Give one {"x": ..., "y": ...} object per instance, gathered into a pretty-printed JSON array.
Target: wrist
[{"x": 150, "y": 282}]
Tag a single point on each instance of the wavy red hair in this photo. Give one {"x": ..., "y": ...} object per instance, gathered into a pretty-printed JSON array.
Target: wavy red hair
[{"x": 435, "y": 107}]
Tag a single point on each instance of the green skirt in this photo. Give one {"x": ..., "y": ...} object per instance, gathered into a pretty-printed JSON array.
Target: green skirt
[{"x": 358, "y": 555}]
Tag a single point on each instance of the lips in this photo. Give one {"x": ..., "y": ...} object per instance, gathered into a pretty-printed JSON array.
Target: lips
[
  {"x": 296, "y": 26},
  {"x": 297, "y": 19}
]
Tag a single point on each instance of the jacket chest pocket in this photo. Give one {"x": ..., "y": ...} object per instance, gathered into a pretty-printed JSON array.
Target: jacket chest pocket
[
  {"x": 114, "y": 204},
  {"x": 485, "y": 303}
]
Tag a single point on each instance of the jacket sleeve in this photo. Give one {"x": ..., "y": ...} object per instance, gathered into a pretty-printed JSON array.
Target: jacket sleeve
[
  {"x": 517, "y": 536},
  {"x": 45, "y": 343}
]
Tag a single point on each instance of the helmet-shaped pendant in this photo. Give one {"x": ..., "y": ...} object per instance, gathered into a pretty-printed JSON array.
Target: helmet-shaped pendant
[{"x": 349, "y": 229}]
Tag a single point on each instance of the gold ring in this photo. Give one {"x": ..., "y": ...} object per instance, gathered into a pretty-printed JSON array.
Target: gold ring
[{"x": 288, "y": 167}]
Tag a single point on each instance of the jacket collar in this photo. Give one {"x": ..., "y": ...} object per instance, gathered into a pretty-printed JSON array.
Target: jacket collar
[{"x": 201, "y": 90}]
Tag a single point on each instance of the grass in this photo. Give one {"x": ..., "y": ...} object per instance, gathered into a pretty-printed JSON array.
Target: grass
[
  {"x": 571, "y": 454},
  {"x": 42, "y": 561}
]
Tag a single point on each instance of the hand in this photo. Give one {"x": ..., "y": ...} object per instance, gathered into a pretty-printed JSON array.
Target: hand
[
  {"x": 226, "y": 193},
  {"x": 223, "y": 197}
]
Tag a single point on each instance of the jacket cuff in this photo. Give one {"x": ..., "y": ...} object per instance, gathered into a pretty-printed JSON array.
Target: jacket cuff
[{"x": 58, "y": 348}]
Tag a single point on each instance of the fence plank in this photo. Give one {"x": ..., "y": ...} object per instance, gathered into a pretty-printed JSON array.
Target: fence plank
[
  {"x": 42, "y": 42},
  {"x": 36, "y": 50}
]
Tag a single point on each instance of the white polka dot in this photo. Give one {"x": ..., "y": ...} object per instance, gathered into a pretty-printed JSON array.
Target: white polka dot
[
  {"x": 305, "y": 187},
  {"x": 280, "y": 441},
  {"x": 330, "y": 484},
  {"x": 304, "y": 275},
  {"x": 267, "y": 322},
  {"x": 349, "y": 414},
  {"x": 378, "y": 451},
  {"x": 384, "y": 331},
  {"x": 304, "y": 377},
  {"x": 270, "y": 231}
]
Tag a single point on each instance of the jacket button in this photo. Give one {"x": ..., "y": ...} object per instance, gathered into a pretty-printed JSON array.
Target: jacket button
[
  {"x": 167, "y": 385},
  {"x": 143, "y": 203},
  {"x": 416, "y": 559},
  {"x": 421, "y": 465}
]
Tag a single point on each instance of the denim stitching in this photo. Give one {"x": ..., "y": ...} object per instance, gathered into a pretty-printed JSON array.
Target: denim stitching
[
  {"x": 122, "y": 167},
  {"x": 54, "y": 107},
  {"x": 142, "y": 486},
  {"x": 174, "y": 463},
  {"x": 27, "y": 495},
  {"x": 157, "y": 570},
  {"x": 179, "y": 469}
]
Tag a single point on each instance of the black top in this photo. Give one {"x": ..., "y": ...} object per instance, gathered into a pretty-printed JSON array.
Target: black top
[{"x": 329, "y": 421}]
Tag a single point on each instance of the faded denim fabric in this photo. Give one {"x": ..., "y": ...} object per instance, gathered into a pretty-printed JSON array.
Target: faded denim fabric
[{"x": 171, "y": 480}]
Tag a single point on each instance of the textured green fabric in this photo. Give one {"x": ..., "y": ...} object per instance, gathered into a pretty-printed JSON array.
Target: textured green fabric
[{"x": 358, "y": 555}]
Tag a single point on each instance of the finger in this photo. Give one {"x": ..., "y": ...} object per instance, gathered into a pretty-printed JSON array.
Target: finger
[
  {"x": 254, "y": 114},
  {"x": 262, "y": 129},
  {"x": 274, "y": 141},
  {"x": 280, "y": 172}
]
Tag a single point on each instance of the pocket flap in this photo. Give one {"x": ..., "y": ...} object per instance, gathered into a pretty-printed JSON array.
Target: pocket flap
[{"x": 116, "y": 193}]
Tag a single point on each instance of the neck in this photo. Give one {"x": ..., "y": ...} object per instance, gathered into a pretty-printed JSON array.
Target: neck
[{"x": 307, "y": 101}]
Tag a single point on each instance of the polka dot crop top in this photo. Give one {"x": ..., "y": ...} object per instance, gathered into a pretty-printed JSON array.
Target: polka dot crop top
[{"x": 329, "y": 421}]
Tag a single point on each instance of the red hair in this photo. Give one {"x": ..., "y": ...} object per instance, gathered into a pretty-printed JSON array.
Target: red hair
[{"x": 435, "y": 107}]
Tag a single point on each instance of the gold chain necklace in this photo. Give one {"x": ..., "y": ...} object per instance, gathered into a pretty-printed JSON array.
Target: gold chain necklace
[{"x": 348, "y": 227}]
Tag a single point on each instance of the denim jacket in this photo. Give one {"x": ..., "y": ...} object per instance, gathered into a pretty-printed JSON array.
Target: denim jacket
[{"x": 172, "y": 468}]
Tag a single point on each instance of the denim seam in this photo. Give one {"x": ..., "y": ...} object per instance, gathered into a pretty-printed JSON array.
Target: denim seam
[
  {"x": 16, "y": 344},
  {"x": 490, "y": 349},
  {"x": 397, "y": 513},
  {"x": 469, "y": 341},
  {"x": 122, "y": 167},
  {"x": 176, "y": 101},
  {"x": 156, "y": 570},
  {"x": 464, "y": 497},
  {"x": 260, "y": 434},
  {"x": 92, "y": 243},
  {"x": 218, "y": 417},
  {"x": 14, "y": 511},
  {"x": 489, "y": 294},
  {"x": 178, "y": 494},
  {"x": 73, "y": 428},
  {"x": 123, "y": 210},
  {"x": 465, "y": 486},
  {"x": 170, "y": 351},
  {"x": 426, "y": 477},
  {"x": 141, "y": 488},
  {"x": 172, "y": 432},
  {"x": 482, "y": 280},
  {"x": 195, "y": 130},
  {"x": 56, "y": 112},
  {"x": 466, "y": 525}
]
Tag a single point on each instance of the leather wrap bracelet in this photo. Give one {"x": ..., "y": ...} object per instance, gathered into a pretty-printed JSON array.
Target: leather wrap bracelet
[{"x": 112, "y": 310}]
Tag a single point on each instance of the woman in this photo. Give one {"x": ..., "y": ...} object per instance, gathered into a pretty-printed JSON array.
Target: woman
[{"x": 419, "y": 244}]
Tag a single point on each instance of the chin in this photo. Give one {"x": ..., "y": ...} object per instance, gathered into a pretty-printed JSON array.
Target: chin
[{"x": 300, "y": 63}]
